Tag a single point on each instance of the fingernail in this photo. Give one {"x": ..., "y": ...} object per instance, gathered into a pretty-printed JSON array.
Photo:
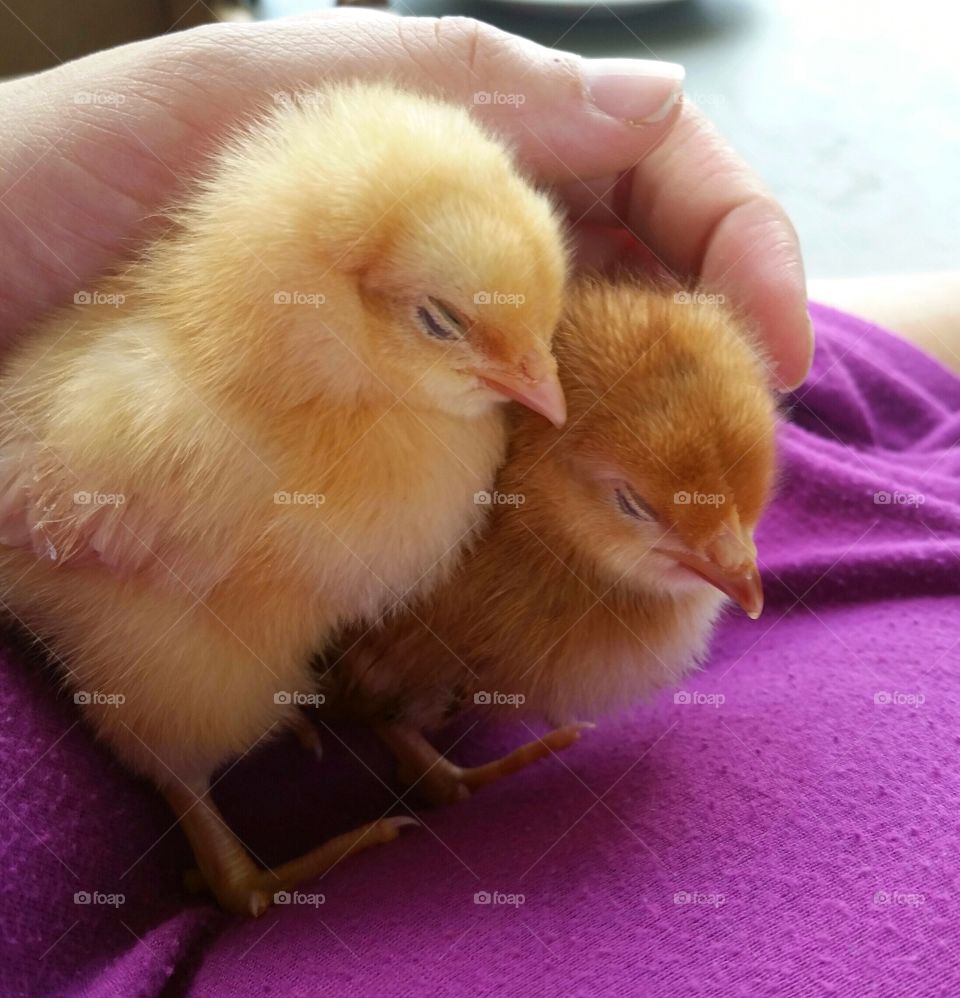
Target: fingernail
[
  {"x": 638, "y": 91},
  {"x": 795, "y": 382}
]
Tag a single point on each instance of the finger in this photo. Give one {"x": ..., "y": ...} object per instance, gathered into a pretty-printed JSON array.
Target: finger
[
  {"x": 567, "y": 117},
  {"x": 752, "y": 256},
  {"x": 613, "y": 251},
  {"x": 82, "y": 177},
  {"x": 594, "y": 199},
  {"x": 734, "y": 238}
]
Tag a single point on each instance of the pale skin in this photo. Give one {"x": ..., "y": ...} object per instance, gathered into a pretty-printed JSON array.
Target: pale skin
[
  {"x": 922, "y": 308},
  {"x": 80, "y": 182}
]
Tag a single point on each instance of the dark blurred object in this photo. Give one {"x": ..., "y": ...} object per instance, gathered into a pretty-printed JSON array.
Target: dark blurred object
[{"x": 37, "y": 34}]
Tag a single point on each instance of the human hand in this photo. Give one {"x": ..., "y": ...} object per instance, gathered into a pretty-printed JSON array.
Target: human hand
[{"x": 95, "y": 147}]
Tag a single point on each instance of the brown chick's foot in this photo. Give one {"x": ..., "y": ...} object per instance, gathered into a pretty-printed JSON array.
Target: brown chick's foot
[
  {"x": 225, "y": 867},
  {"x": 437, "y": 780}
]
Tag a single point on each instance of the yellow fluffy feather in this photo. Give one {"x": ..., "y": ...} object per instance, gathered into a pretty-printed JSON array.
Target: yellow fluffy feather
[{"x": 272, "y": 425}]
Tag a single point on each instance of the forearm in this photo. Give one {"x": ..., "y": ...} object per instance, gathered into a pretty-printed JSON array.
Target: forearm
[{"x": 922, "y": 308}]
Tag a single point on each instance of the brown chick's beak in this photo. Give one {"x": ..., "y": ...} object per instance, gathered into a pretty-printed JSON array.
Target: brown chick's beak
[
  {"x": 743, "y": 586},
  {"x": 730, "y": 564},
  {"x": 543, "y": 395}
]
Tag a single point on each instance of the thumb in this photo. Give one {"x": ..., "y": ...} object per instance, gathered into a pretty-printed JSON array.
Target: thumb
[{"x": 567, "y": 116}]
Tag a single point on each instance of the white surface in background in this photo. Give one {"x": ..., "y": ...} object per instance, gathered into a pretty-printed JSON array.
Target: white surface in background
[{"x": 849, "y": 110}]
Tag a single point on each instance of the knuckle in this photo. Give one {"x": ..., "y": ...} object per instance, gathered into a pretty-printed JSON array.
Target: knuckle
[
  {"x": 493, "y": 56},
  {"x": 471, "y": 40}
]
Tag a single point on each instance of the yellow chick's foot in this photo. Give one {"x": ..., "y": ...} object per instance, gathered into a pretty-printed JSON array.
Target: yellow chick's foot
[
  {"x": 437, "y": 780},
  {"x": 225, "y": 866}
]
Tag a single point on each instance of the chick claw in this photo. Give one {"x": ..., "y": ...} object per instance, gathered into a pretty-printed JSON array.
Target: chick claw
[
  {"x": 437, "y": 780},
  {"x": 227, "y": 870}
]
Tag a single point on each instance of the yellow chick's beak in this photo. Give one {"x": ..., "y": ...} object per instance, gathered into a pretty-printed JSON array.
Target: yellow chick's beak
[
  {"x": 531, "y": 383},
  {"x": 729, "y": 563}
]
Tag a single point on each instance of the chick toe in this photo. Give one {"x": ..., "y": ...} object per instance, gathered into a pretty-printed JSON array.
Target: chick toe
[
  {"x": 228, "y": 871},
  {"x": 437, "y": 780}
]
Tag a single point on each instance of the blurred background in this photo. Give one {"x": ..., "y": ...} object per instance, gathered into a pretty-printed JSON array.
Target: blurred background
[{"x": 849, "y": 110}]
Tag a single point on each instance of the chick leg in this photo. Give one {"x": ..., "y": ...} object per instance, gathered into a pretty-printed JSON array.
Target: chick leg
[
  {"x": 226, "y": 868},
  {"x": 439, "y": 781}
]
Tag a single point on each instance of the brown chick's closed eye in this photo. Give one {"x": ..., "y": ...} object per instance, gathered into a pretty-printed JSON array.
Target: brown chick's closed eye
[
  {"x": 612, "y": 542},
  {"x": 270, "y": 425}
]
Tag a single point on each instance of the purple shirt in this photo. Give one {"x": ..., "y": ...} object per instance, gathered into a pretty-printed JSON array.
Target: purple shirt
[{"x": 786, "y": 825}]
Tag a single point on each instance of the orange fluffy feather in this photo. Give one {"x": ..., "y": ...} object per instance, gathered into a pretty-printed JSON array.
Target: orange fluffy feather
[{"x": 563, "y": 603}]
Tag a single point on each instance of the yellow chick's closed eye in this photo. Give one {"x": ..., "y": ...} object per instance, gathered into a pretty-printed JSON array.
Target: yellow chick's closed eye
[
  {"x": 272, "y": 424},
  {"x": 611, "y": 545}
]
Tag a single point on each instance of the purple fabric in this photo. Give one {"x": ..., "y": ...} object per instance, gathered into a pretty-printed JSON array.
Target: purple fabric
[{"x": 799, "y": 838}]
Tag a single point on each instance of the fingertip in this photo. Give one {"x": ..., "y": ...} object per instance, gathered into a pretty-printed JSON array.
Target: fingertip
[
  {"x": 572, "y": 117},
  {"x": 779, "y": 315},
  {"x": 755, "y": 259},
  {"x": 792, "y": 378},
  {"x": 791, "y": 345},
  {"x": 633, "y": 91},
  {"x": 779, "y": 310}
]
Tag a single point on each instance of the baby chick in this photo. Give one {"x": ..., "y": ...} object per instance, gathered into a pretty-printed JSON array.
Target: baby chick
[
  {"x": 611, "y": 547},
  {"x": 270, "y": 426}
]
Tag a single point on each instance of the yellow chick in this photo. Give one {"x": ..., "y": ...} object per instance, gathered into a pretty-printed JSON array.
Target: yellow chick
[
  {"x": 272, "y": 425},
  {"x": 611, "y": 546}
]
